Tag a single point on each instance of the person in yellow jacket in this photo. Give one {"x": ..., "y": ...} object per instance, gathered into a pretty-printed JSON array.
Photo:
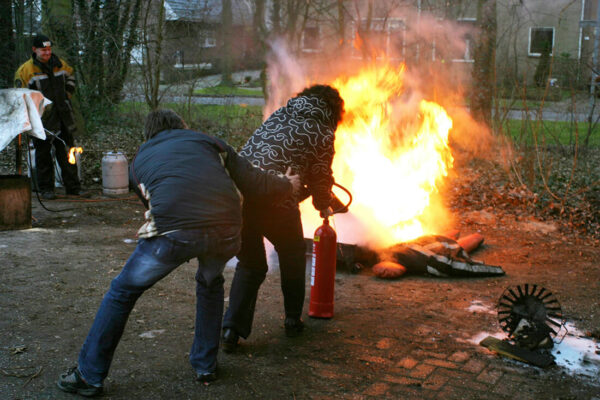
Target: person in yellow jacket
[{"x": 53, "y": 77}]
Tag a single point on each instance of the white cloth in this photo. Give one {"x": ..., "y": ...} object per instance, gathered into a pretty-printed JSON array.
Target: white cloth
[{"x": 21, "y": 111}]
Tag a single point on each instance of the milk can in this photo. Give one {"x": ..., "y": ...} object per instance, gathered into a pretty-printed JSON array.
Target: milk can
[{"x": 115, "y": 176}]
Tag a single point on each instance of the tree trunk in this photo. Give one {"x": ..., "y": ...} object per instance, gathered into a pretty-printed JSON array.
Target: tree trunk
[
  {"x": 7, "y": 46},
  {"x": 57, "y": 23},
  {"x": 485, "y": 61},
  {"x": 226, "y": 37}
]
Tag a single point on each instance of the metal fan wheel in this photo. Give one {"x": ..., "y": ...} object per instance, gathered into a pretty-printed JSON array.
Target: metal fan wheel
[{"x": 534, "y": 303}]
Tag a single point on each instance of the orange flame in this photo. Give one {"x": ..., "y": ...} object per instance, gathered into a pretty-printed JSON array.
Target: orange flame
[
  {"x": 390, "y": 156},
  {"x": 72, "y": 152}
]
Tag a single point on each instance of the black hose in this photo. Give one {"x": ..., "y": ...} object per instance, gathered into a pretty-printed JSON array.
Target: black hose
[{"x": 343, "y": 207}]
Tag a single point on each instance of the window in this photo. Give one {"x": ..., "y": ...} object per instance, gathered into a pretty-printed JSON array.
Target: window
[
  {"x": 540, "y": 40},
  {"x": 310, "y": 39}
]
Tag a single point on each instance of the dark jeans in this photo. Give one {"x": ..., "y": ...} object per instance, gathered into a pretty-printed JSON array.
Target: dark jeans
[
  {"x": 152, "y": 260},
  {"x": 44, "y": 165},
  {"x": 283, "y": 228}
]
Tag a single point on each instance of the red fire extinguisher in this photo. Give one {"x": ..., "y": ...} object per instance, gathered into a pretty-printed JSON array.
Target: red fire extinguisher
[{"x": 322, "y": 276}]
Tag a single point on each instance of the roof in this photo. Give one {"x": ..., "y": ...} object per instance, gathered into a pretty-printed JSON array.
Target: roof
[{"x": 207, "y": 11}]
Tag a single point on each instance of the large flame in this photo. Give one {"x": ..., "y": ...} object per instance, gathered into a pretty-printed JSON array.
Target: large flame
[{"x": 389, "y": 156}]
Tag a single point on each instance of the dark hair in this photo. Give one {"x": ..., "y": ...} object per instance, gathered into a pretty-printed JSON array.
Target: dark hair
[
  {"x": 41, "y": 40},
  {"x": 160, "y": 120},
  {"x": 329, "y": 95}
]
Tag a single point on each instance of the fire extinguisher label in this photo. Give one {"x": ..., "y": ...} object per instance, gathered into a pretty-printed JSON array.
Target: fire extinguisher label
[
  {"x": 312, "y": 270},
  {"x": 317, "y": 238}
]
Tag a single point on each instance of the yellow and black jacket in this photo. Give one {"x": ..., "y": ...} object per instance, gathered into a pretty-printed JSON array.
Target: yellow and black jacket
[{"x": 56, "y": 82}]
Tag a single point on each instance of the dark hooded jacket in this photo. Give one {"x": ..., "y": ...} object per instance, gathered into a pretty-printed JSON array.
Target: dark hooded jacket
[
  {"x": 189, "y": 180},
  {"x": 299, "y": 135}
]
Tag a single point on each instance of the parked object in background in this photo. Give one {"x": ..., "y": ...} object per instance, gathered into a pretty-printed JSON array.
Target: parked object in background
[{"x": 115, "y": 176}]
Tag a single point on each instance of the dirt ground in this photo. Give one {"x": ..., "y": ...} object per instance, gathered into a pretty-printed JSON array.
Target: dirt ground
[{"x": 409, "y": 338}]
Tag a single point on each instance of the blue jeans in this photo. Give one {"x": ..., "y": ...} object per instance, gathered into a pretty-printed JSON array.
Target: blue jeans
[{"x": 152, "y": 260}]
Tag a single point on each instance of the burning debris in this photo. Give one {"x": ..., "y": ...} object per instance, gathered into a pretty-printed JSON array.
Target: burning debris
[{"x": 435, "y": 255}]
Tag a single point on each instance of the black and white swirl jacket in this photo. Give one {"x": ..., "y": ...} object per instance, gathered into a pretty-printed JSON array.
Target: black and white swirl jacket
[{"x": 299, "y": 135}]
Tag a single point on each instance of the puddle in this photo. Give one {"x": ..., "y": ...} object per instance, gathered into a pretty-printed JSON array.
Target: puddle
[
  {"x": 577, "y": 354},
  {"x": 481, "y": 308}
]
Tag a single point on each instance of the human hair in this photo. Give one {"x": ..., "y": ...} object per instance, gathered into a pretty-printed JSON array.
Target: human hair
[
  {"x": 160, "y": 120},
  {"x": 329, "y": 95}
]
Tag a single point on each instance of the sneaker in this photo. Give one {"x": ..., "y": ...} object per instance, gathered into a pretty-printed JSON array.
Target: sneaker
[
  {"x": 48, "y": 195},
  {"x": 293, "y": 326},
  {"x": 79, "y": 192},
  {"x": 230, "y": 340},
  {"x": 206, "y": 377},
  {"x": 72, "y": 382}
]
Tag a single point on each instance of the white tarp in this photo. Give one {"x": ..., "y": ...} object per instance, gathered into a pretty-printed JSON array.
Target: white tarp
[{"x": 21, "y": 111}]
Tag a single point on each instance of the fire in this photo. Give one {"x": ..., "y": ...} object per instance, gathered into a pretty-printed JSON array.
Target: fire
[
  {"x": 390, "y": 156},
  {"x": 72, "y": 152}
]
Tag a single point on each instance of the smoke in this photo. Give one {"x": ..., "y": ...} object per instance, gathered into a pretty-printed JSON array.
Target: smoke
[
  {"x": 286, "y": 73},
  {"x": 438, "y": 59}
]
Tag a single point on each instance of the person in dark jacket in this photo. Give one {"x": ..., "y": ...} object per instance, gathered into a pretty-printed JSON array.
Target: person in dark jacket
[
  {"x": 301, "y": 136},
  {"x": 191, "y": 184},
  {"x": 51, "y": 75}
]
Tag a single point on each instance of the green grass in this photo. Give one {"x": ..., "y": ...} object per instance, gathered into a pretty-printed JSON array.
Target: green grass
[
  {"x": 232, "y": 123},
  {"x": 550, "y": 132},
  {"x": 228, "y": 91}
]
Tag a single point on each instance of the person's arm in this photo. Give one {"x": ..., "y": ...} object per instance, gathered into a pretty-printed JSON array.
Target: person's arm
[
  {"x": 19, "y": 79},
  {"x": 320, "y": 177},
  {"x": 255, "y": 182}
]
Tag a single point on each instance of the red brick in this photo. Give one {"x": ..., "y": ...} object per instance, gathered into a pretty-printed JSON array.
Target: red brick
[
  {"x": 384, "y": 344},
  {"x": 441, "y": 363},
  {"x": 459, "y": 357},
  {"x": 435, "y": 381},
  {"x": 373, "y": 359},
  {"x": 490, "y": 376},
  {"x": 377, "y": 389},
  {"x": 407, "y": 362},
  {"x": 329, "y": 374},
  {"x": 402, "y": 380},
  {"x": 474, "y": 366},
  {"x": 422, "y": 371}
]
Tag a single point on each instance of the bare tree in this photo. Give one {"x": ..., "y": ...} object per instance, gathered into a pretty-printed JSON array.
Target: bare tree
[
  {"x": 7, "y": 47},
  {"x": 485, "y": 61},
  {"x": 226, "y": 56},
  {"x": 105, "y": 33},
  {"x": 153, "y": 32}
]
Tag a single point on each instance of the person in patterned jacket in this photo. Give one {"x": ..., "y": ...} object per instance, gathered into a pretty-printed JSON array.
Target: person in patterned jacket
[
  {"x": 51, "y": 75},
  {"x": 301, "y": 136}
]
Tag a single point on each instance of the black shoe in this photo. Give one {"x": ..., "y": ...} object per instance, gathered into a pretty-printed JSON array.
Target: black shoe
[
  {"x": 293, "y": 326},
  {"x": 206, "y": 377},
  {"x": 48, "y": 195},
  {"x": 230, "y": 340},
  {"x": 72, "y": 382},
  {"x": 79, "y": 192}
]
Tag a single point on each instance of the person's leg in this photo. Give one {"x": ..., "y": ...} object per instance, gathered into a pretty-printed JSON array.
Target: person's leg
[
  {"x": 44, "y": 166},
  {"x": 221, "y": 244},
  {"x": 68, "y": 171},
  {"x": 150, "y": 262},
  {"x": 285, "y": 232},
  {"x": 249, "y": 274}
]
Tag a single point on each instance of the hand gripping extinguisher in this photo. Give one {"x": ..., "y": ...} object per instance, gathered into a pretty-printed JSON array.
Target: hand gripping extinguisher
[{"x": 322, "y": 277}]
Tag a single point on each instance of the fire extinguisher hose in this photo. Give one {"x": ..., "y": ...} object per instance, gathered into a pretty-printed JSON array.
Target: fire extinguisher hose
[{"x": 341, "y": 207}]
